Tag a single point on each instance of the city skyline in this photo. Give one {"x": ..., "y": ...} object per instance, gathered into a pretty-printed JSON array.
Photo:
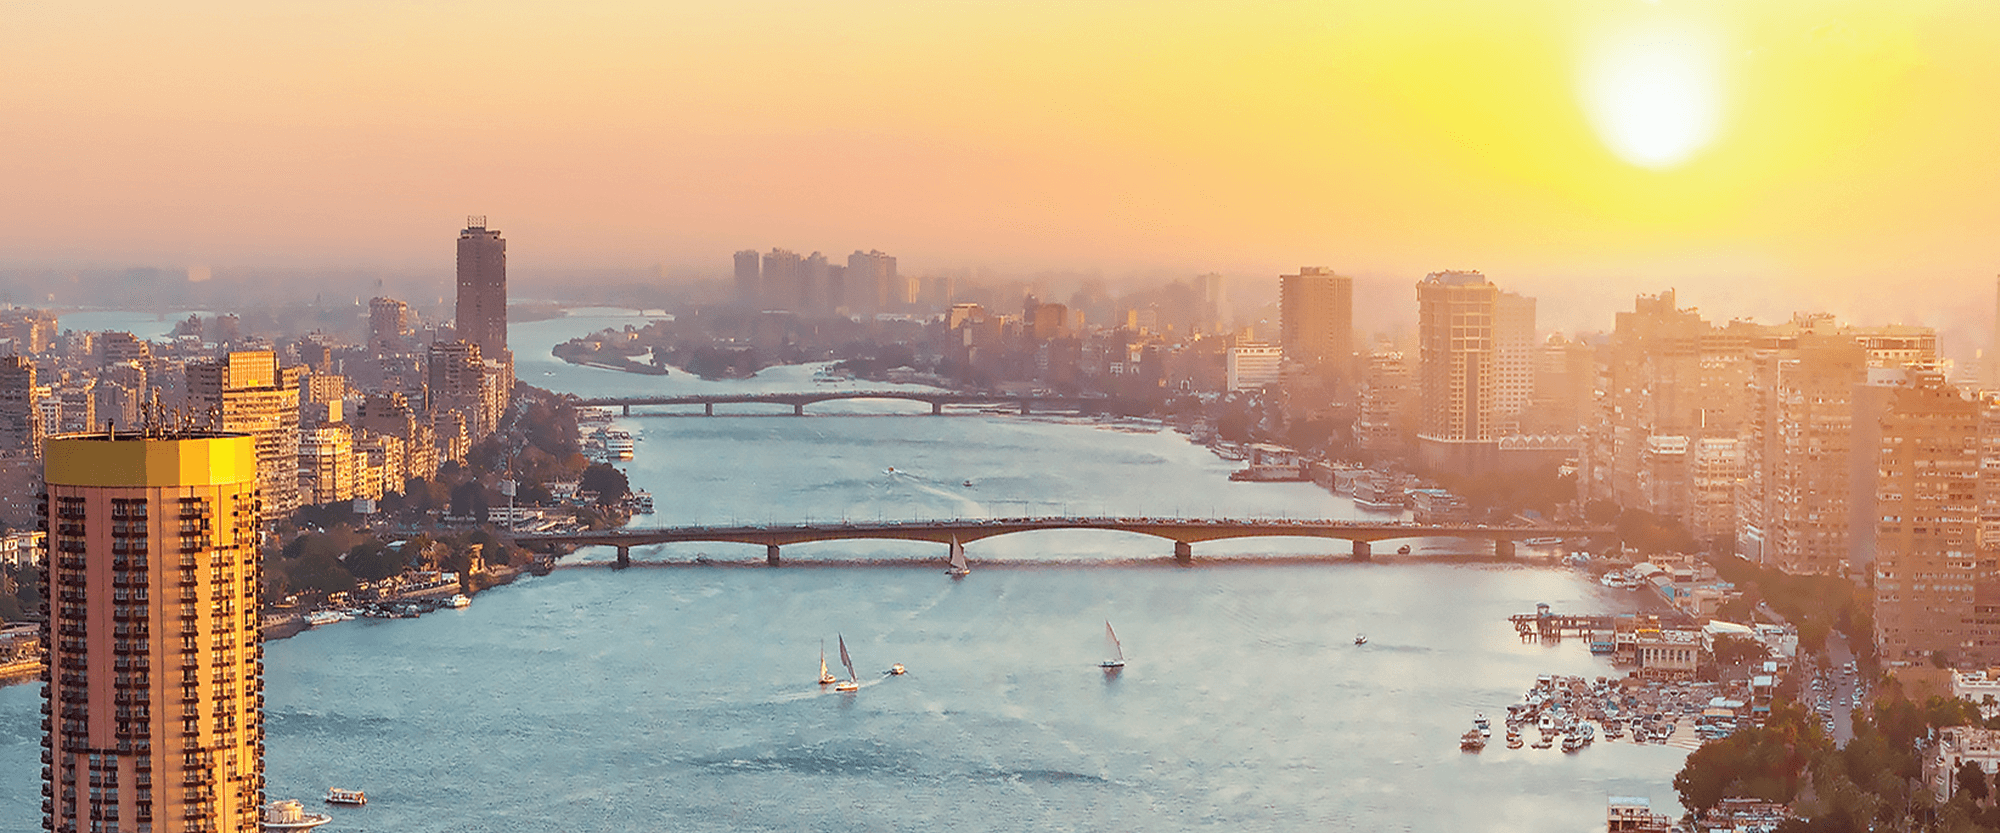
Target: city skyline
[{"x": 1784, "y": 148}]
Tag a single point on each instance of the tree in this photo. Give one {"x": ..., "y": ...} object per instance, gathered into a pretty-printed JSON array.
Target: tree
[
  {"x": 1972, "y": 781},
  {"x": 1736, "y": 649},
  {"x": 607, "y": 481}
]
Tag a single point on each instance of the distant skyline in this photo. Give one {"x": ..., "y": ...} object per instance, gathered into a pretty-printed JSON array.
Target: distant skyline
[{"x": 1761, "y": 158}]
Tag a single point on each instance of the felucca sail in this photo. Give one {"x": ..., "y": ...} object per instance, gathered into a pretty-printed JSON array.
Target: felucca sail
[
  {"x": 958, "y": 564},
  {"x": 1111, "y": 644},
  {"x": 845, "y": 660},
  {"x": 824, "y": 676}
]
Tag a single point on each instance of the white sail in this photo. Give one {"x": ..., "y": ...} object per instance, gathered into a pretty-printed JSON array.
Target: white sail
[
  {"x": 958, "y": 563},
  {"x": 823, "y": 675},
  {"x": 845, "y": 660},
  {"x": 1111, "y": 642}
]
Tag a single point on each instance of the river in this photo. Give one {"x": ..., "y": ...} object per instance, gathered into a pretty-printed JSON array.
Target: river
[{"x": 676, "y": 696}]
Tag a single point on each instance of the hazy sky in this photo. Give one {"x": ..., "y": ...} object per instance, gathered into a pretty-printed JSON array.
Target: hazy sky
[{"x": 1750, "y": 151}]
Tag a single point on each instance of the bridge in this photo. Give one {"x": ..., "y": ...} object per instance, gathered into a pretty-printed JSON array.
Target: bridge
[
  {"x": 1184, "y": 532},
  {"x": 937, "y": 399}
]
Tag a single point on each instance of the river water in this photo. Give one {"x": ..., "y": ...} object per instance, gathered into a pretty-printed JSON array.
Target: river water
[{"x": 676, "y": 696}]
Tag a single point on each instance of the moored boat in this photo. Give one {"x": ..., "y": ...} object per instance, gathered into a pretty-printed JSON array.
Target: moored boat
[
  {"x": 291, "y": 815},
  {"x": 322, "y": 617},
  {"x": 459, "y": 600},
  {"x": 1472, "y": 741}
]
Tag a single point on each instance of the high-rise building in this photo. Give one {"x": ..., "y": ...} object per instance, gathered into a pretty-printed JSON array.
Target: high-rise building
[
  {"x": 1456, "y": 376},
  {"x": 1316, "y": 318},
  {"x": 783, "y": 280},
  {"x": 154, "y": 656},
  {"x": 326, "y": 465},
  {"x": 20, "y": 414},
  {"x": 1918, "y": 493},
  {"x": 872, "y": 284},
  {"x": 1513, "y": 360},
  {"x": 1251, "y": 366},
  {"x": 1384, "y": 416},
  {"x": 482, "y": 287},
  {"x": 463, "y": 381},
  {"x": 388, "y": 324},
  {"x": 246, "y": 392},
  {"x": 748, "y": 276}
]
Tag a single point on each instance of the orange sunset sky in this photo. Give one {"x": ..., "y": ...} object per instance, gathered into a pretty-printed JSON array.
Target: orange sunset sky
[{"x": 1761, "y": 155}]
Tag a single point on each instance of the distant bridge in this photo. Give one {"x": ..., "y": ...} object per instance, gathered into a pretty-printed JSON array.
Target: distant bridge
[
  {"x": 1184, "y": 532},
  {"x": 937, "y": 399}
]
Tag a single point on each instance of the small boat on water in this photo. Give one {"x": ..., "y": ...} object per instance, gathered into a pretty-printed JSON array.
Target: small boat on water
[
  {"x": 1544, "y": 743},
  {"x": 1361, "y": 639},
  {"x": 618, "y": 445},
  {"x": 1514, "y": 739},
  {"x": 852, "y": 683},
  {"x": 897, "y": 670},
  {"x": 1403, "y": 550},
  {"x": 352, "y": 798},
  {"x": 323, "y": 617},
  {"x": 959, "y": 567},
  {"x": 642, "y": 502},
  {"x": 459, "y": 600},
  {"x": 968, "y": 484},
  {"x": 291, "y": 815},
  {"x": 825, "y": 677},
  {"x": 1479, "y": 720},
  {"x": 1117, "y": 659},
  {"x": 1472, "y": 741}
]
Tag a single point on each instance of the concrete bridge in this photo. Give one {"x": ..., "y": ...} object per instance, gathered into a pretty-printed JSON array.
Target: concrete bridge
[
  {"x": 937, "y": 399},
  {"x": 1183, "y": 532}
]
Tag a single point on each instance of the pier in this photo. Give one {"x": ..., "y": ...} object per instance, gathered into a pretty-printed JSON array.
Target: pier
[{"x": 1547, "y": 625}]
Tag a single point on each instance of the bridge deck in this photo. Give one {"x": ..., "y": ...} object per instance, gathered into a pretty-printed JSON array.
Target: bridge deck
[{"x": 1180, "y": 531}]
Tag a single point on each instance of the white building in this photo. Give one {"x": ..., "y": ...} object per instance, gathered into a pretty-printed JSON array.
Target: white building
[
  {"x": 1957, "y": 745},
  {"x": 1252, "y": 366}
]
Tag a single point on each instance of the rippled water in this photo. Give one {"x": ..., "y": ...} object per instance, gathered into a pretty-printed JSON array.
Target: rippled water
[{"x": 676, "y": 696}]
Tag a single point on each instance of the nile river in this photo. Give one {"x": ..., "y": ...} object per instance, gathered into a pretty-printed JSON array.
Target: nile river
[{"x": 681, "y": 697}]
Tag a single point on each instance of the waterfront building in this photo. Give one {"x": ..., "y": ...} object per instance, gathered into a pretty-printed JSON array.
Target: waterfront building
[
  {"x": 1916, "y": 487},
  {"x": 1514, "y": 360},
  {"x": 1316, "y": 318},
  {"x": 482, "y": 287},
  {"x": 247, "y": 392},
  {"x": 1456, "y": 373},
  {"x": 154, "y": 673},
  {"x": 1252, "y": 366}
]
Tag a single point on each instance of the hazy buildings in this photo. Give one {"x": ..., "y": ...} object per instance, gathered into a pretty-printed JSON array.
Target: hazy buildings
[
  {"x": 389, "y": 324},
  {"x": 1385, "y": 412},
  {"x": 748, "y": 276},
  {"x": 482, "y": 288},
  {"x": 1918, "y": 493},
  {"x": 154, "y": 673},
  {"x": 1514, "y": 359},
  {"x": 20, "y": 414},
  {"x": 872, "y": 283},
  {"x": 1251, "y": 366},
  {"x": 248, "y": 393},
  {"x": 782, "y": 285},
  {"x": 1456, "y": 373},
  {"x": 1316, "y": 319}
]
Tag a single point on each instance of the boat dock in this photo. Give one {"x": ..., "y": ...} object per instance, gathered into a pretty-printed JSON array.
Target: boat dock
[{"x": 1547, "y": 625}]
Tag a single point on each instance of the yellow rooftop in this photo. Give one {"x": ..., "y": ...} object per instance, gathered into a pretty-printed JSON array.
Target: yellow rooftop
[{"x": 134, "y": 460}]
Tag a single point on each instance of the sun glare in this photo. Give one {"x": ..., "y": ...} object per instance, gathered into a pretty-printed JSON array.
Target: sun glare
[{"x": 1653, "y": 94}]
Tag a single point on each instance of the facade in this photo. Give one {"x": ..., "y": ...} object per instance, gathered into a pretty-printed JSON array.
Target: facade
[
  {"x": 246, "y": 392},
  {"x": 748, "y": 276},
  {"x": 154, "y": 666},
  {"x": 1922, "y": 502},
  {"x": 1456, "y": 373},
  {"x": 20, "y": 413},
  {"x": 1955, "y": 747},
  {"x": 326, "y": 465},
  {"x": 388, "y": 325},
  {"x": 482, "y": 287},
  {"x": 1252, "y": 366},
  {"x": 1316, "y": 318},
  {"x": 1515, "y": 355},
  {"x": 1385, "y": 404}
]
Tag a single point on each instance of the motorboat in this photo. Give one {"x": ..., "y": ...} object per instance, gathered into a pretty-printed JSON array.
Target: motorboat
[
  {"x": 1117, "y": 659},
  {"x": 897, "y": 670},
  {"x": 1403, "y": 550},
  {"x": 352, "y": 798},
  {"x": 1361, "y": 639},
  {"x": 851, "y": 683},
  {"x": 825, "y": 677},
  {"x": 1479, "y": 720},
  {"x": 289, "y": 814},
  {"x": 1514, "y": 739},
  {"x": 322, "y": 617},
  {"x": 459, "y": 600}
]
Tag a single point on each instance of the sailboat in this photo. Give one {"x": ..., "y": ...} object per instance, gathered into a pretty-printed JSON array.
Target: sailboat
[
  {"x": 1117, "y": 659},
  {"x": 959, "y": 568},
  {"x": 851, "y": 683},
  {"x": 825, "y": 677}
]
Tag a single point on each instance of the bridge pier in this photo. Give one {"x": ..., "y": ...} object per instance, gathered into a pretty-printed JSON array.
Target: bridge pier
[
  {"x": 771, "y": 555},
  {"x": 708, "y": 409},
  {"x": 1183, "y": 553},
  {"x": 1363, "y": 550},
  {"x": 628, "y": 410},
  {"x": 624, "y": 557},
  {"x": 799, "y": 409},
  {"x": 1503, "y": 548},
  {"x": 1027, "y": 407},
  {"x": 937, "y": 408}
]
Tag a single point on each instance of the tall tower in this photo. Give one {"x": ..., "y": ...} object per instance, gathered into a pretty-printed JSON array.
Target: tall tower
[
  {"x": 482, "y": 287},
  {"x": 1455, "y": 368},
  {"x": 748, "y": 276},
  {"x": 1316, "y": 318},
  {"x": 20, "y": 414},
  {"x": 1513, "y": 359},
  {"x": 154, "y": 664}
]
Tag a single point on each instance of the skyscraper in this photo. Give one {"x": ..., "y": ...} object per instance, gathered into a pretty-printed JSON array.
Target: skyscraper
[
  {"x": 20, "y": 415},
  {"x": 246, "y": 392},
  {"x": 1513, "y": 360},
  {"x": 1455, "y": 370},
  {"x": 749, "y": 277},
  {"x": 1915, "y": 500},
  {"x": 482, "y": 287},
  {"x": 154, "y": 670},
  {"x": 872, "y": 284},
  {"x": 1316, "y": 318},
  {"x": 783, "y": 281}
]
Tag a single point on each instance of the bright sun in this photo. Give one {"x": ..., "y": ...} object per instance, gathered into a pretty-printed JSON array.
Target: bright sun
[{"x": 1653, "y": 94}]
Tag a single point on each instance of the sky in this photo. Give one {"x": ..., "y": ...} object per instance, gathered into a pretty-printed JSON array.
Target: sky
[{"x": 1759, "y": 155}]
